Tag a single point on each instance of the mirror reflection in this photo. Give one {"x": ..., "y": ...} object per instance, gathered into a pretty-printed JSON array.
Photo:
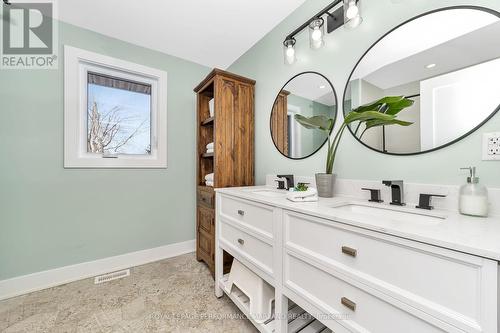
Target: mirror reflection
[
  {"x": 448, "y": 63},
  {"x": 307, "y": 94}
]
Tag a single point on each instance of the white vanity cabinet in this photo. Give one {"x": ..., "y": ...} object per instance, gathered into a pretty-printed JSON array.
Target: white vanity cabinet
[
  {"x": 356, "y": 280},
  {"x": 422, "y": 288}
]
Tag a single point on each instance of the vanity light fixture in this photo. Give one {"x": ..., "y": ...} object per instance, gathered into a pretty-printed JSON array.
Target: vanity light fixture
[
  {"x": 289, "y": 51},
  {"x": 338, "y": 13},
  {"x": 316, "y": 33},
  {"x": 352, "y": 14}
]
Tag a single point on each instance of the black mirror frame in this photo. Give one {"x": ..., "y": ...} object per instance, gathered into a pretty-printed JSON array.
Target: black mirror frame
[
  {"x": 334, "y": 118},
  {"x": 494, "y": 112}
]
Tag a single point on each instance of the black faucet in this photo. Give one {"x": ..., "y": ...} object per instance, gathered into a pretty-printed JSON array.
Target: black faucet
[
  {"x": 424, "y": 201},
  {"x": 374, "y": 194},
  {"x": 289, "y": 181},
  {"x": 397, "y": 191}
]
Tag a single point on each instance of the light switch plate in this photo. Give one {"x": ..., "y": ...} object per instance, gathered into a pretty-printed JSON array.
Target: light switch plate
[{"x": 491, "y": 146}]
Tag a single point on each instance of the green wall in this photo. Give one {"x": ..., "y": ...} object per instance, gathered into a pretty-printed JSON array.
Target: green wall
[
  {"x": 264, "y": 62},
  {"x": 51, "y": 216}
]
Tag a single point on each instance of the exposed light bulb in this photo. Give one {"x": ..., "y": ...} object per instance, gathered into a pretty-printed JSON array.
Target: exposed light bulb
[
  {"x": 289, "y": 51},
  {"x": 290, "y": 54},
  {"x": 316, "y": 34},
  {"x": 322, "y": 87},
  {"x": 429, "y": 66},
  {"x": 352, "y": 10}
]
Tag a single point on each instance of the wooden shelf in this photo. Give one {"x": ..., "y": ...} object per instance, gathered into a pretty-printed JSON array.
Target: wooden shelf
[
  {"x": 207, "y": 155},
  {"x": 238, "y": 115},
  {"x": 208, "y": 121}
]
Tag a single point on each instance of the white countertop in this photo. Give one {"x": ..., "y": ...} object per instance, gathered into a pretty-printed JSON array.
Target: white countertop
[{"x": 473, "y": 235}]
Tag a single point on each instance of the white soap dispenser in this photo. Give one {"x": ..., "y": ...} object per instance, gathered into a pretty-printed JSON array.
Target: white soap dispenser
[{"x": 473, "y": 197}]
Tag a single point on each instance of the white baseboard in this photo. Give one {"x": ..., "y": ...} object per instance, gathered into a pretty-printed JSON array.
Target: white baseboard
[{"x": 42, "y": 280}]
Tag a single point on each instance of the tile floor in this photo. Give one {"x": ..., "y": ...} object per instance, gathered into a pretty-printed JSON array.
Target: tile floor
[{"x": 172, "y": 295}]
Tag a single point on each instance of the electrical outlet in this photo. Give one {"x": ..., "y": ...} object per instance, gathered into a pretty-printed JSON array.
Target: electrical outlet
[{"x": 491, "y": 146}]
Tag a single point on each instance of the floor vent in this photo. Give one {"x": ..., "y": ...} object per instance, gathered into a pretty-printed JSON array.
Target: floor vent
[{"x": 111, "y": 276}]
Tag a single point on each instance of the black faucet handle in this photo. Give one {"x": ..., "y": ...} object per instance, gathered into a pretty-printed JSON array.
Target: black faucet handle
[
  {"x": 424, "y": 200},
  {"x": 289, "y": 180},
  {"x": 374, "y": 194},
  {"x": 281, "y": 184}
]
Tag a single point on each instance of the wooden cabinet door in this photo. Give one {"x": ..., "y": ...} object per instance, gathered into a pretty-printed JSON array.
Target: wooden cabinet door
[
  {"x": 234, "y": 133},
  {"x": 243, "y": 136},
  {"x": 226, "y": 97},
  {"x": 205, "y": 235}
]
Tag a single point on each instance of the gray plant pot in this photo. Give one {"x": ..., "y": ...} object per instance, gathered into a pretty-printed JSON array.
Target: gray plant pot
[{"x": 324, "y": 184}]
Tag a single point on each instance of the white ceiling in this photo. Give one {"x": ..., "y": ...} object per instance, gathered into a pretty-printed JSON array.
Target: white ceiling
[
  {"x": 313, "y": 87},
  {"x": 214, "y": 33},
  {"x": 420, "y": 35},
  {"x": 465, "y": 51}
]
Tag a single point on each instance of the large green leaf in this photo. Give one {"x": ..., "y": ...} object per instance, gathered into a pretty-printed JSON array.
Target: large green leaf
[
  {"x": 380, "y": 122},
  {"x": 320, "y": 122},
  {"x": 378, "y": 103},
  {"x": 367, "y": 115},
  {"x": 382, "y": 112},
  {"x": 390, "y": 105},
  {"x": 397, "y": 107}
]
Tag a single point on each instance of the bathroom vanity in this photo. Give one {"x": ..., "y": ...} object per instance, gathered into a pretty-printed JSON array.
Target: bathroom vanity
[
  {"x": 360, "y": 266},
  {"x": 363, "y": 267}
]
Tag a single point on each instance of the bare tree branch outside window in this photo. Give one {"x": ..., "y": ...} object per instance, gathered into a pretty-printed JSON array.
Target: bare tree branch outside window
[
  {"x": 118, "y": 115},
  {"x": 108, "y": 131}
]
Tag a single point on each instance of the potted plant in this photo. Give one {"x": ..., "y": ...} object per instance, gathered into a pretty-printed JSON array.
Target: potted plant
[{"x": 382, "y": 112}]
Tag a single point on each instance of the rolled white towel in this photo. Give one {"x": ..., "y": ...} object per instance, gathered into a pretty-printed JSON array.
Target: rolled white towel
[
  {"x": 209, "y": 177},
  {"x": 211, "y": 184},
  {"x": 303, "y": 196},
  {"x": 210, "y": 151},
  {"x": 211, "y": 107},
  {"x": 210, "y": 145}
]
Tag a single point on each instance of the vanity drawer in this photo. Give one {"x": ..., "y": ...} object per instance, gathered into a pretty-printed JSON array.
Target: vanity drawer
[
  {"x": 357, "y": 310},
  {"x": 253, "y": 215},
  {"x": 449, "y": 285},
  {"x": 206, "y": 197},
  {"x": 249, "y": 247}
]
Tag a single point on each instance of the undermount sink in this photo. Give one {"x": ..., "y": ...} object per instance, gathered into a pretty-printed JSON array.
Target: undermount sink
[
  {"x": 270, "y": 193},
  {"x": 402, "y": 214}
]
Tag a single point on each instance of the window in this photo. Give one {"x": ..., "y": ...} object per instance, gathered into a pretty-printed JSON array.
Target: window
[
  {"x": 118, "y": 116},
  {"x": 115, "y": 113}
]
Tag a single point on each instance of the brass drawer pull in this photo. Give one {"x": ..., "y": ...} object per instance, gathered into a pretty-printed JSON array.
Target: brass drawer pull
[
  {"x": 241, "y": 212},
  {"x": 241, "y": 241},
  {"x": 349, "y": 251},
  {"x": 348, "y": 303}
]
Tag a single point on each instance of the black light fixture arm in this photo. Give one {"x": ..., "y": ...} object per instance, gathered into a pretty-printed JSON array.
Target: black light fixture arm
[
  {"x": 334, "y": 20},
  {"x": 6, "y": 2},
  {"x": 325, "y": 11}
]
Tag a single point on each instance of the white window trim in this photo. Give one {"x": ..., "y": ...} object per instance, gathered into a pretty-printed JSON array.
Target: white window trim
[{"x": 77, "y": 63}]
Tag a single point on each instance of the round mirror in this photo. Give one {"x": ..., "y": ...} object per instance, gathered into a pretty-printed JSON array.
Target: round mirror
[
  {"x": 306, "y": 95},
  {"x": 447, "y": 63}
]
